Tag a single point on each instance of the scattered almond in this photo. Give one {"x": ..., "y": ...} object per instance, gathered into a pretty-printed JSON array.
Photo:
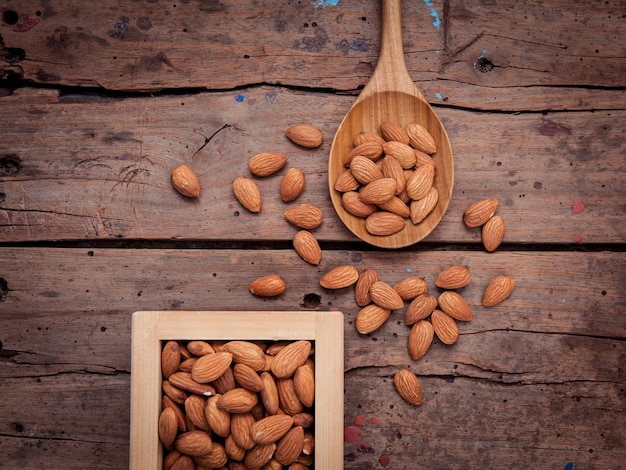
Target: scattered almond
[
  {"x": 420, "y": 308},
  {"x": 408, "y": 386},
  {"x": 267, "y": 163},
  {"x": 445, "y": 327},
  {"x": 305, "y": 135},
  {"x": 480, "y": 212},
  {"x": 383, "y": 295},
  {"x": 306, "y": 216},
  {"x": 185, "y": 181},
  {"x": 420, "y": 339},
  {"x": 363, "y": 285},
  {"x": 306, "y": 245},
  {"x": 292, "y": 185},
  {"x": 493, "y": 233},
  {"x": 370, "y": 318},
  {"x": 268, "y": 286},
  {"x": 247, "y": 193},
  {"x": 455, "y": 306},
  {"x": 340, "y": 277},
  {"x": 454, "y": 277},
  {"x": 498, "y": 290}
]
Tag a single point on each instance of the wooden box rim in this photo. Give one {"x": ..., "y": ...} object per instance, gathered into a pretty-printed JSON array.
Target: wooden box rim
[{"x": 150, "y": 328}]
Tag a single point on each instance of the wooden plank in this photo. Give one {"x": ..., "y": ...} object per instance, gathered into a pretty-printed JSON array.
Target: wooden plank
[
  {"x": 83, "y": 174},
  {"x": 460, "y": 55},
  {"x": 538, "y": 379}
]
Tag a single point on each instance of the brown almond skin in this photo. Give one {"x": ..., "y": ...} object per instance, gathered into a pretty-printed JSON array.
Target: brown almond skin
[
  {"x": 410, "y": 287},
  {"x": 306, "y": 245},
  {"x": 247, "y": 193},
  {"x": 271, "y": 428},
  {"x": 290, "y": 446},
  {"x": 493, "y": 233},
  {"x": 445, "y": 327},
  {"x": 498, "y": 290},
  {"x": 455, "y": 305},
  {"x": 340, "y": 277},
  {"x": 420, "y": 339},
  {"x": 479, "y": 212},
  {"x": 267, "y": 163},
  {"x": 268, "y": 286},
  {"x": 185, "y": 181},
  {"x": 370, "y": 318},
  {"x": 292, "y": 185},
  {"x": 288, "y": 359},
  {"x": 170, "y": 358},
  {"x": 408, "y": 386},
  {"x": 305, "y": 135},
  {"x": 304, "y": 216},
  {"x": 392, "y": 131},
  {"x": 346, "y": 182},
  {"x": 420, "y": 138},
  {"x": 211, "y": 366},
  {"x": 420, "y": 308},
  {"x": 454, "y": 277},
  {"x": 420, "y": 208},
  {"x": 352, "y": 203},
  {"x": 384, "y": 223},
  {"x": 168, "y": 427},
  {"x": 378, "y": 191},
  {"x": 383, "y": 295},
  {"x": 362, "y": 287}
]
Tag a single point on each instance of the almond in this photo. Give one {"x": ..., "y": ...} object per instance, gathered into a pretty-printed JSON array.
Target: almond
[
  {"x": 306, "y": 216},
  {"x": 420, "y": 138},
  {"x": 240, "y": 428},
  {"x": 181, "y": 422},
  {"x": 174, "y": 393},
  {"x": 292, "y": 185},
  {"x": 211, "y": 366},
  {"x": 420, "y": 208},
  {"x": 194, "y": 411},
  {"x": 309, "y": 443},
  {"x": 246, "y": 352},
  {"x": 408, "y": 386},
  {"x": 185, "y": 181},
  {"x": 269, "y": 394},
  {"x": 217, "y": 419},
  {"x": 422, "y": 158},
  {"x": 225, "y": 382},
  {"x": 385, "y": 296},
  {"x": 247, "y": 193},
  {"x": 455, "y": 305},
  {"x": 420, "y": 308},
  {"x": 480, "y": 212},
  {"x": 420, "y": 182},
  {"x": 453, "y": 277},
  {"x": 267, "y": 163},
  {"x": 305, "y": 420},
  {"x": 270, "y": 285},
  {"x": 259, "y": 455},
  {"x": 445, "y": 327},
  {"x": 351, "y": 202},
  {"x": 362, "y": 287},
  {"x": 290, "y": 446},
  {"x": 404, "y": 154},
  {"x": 370, "y": 149},
  {"x": 366, "y": 136},
  {"x": 288, "y": 359},
  {"x": 216, "y": 458},
  {"x": 247, "y": 377},
  {"x": 306, "y": 245},
  {"x": 271, "y": 428},
  {"x": 184, "y": 381},
  {"x": 199, "y": 348},
  {"x": 289, "y": 401},
  {"x": 340, "y": 277},
  {"x": 237, "y": 400},
  {"x": 178, "y": 462},
  {"x": 305, "y": 135},
  {"x": 420, "y": 339},
  {"x": 365, "y": 170},
  {"x": 411, "y": 287},
  {"x": 370, "y": 318},
  {"x": 391, "y": 131},
  {"x": 168, "y": 427},
  {"x": 170, "y": 358},
  {"x": 391, "y": 168},
  {"x": 384, "y": 223},
  {"x": 498, "y": 290},
  {"x": 194, "y": 443},
  {"x": 378, "y": 191},
  {"x": 493, "y": 233},
  {"x": 304, "y": 384},
  {"x": 396, "y": 206},
  {"x": 346, "y": 182}
]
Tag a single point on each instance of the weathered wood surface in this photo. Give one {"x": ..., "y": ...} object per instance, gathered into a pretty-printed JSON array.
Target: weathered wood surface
[
  {"x": 98, "y": 103},
  {"x": 76, "y": 167},
  {"x": 490, "y": 55},
  {"x": 538, "y": 380}
]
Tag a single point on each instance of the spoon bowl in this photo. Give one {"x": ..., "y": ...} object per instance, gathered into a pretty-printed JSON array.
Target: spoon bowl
[{"x": 390, "y": 95}]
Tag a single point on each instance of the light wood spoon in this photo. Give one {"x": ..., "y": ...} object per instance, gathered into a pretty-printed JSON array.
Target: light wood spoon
[{"x": 390, "y": 95}]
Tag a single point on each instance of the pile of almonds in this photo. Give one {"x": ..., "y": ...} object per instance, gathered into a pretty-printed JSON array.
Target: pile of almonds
[
  {"x": 389, "y": 179},
  {"x": 241, "y": 404}
]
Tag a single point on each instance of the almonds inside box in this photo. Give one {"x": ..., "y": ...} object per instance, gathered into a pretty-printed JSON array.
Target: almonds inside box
[{"x": 241, "y": 389}]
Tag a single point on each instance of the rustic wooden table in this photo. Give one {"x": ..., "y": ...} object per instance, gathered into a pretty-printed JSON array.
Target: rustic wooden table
[{"x": 99, "y": 101}]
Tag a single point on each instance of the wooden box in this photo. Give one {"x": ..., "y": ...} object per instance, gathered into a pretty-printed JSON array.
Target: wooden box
[{"x": 150, "y": 329}]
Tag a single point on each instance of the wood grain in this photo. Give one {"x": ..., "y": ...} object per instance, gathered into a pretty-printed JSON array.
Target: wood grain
[
  {"x": 524, "y": 376},
  {"x": 506, "y": 55},
  {"x": 100, "y": 168}
]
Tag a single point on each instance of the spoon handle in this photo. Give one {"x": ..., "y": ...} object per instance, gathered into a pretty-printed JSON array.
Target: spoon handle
[{"x": 391, "y": 73}]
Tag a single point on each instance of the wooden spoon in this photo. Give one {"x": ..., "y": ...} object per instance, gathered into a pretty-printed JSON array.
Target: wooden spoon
[{"x": 390, "y": 95}]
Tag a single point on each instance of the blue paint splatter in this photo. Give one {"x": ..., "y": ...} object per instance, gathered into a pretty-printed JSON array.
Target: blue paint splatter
[
  {"x": 438, "y": 96},
  {"x": 239, "y": 98},
  {"x": 409, "y": 270},
  {"x": 325, "y": 3},
  {"x": 434, "y": 14},
  {"x": 569, "y": 466},
  {"x": 437, "y": 51}
]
